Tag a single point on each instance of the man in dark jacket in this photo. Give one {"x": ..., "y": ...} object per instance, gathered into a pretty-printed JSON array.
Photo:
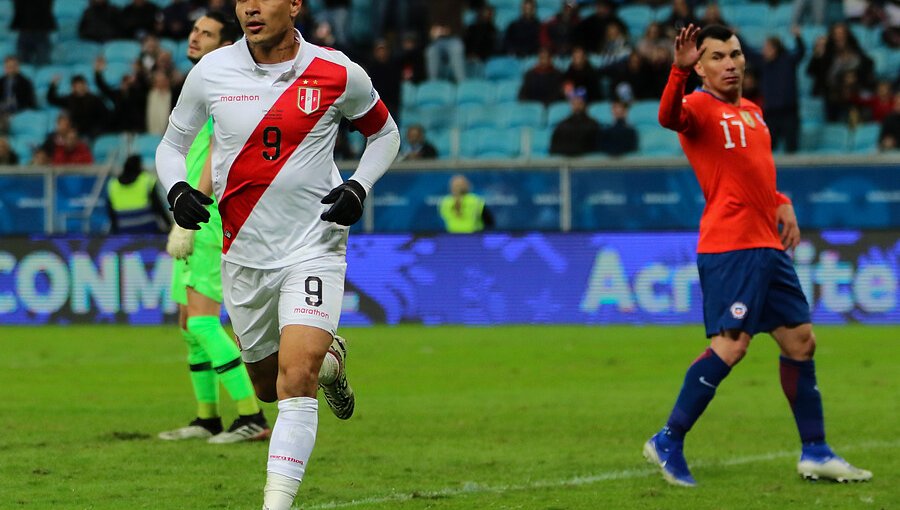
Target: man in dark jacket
[
  {"x": 522, "y": 36},
  {"x": 87, "y": 110},
  {"x": 619, "y": 138},
  {"x": 578, "y": 134},
  {"x": 34, "y": 21},
  {"x": 16, "y": 91},
  {"x": 100, "y": 22}
]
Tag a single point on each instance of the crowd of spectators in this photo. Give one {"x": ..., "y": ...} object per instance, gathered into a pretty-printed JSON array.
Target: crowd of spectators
[{"x": 418, "y": 40}]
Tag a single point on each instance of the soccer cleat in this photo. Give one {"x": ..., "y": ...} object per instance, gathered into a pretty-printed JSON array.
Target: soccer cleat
[
  {"x": 245, "y": 428},
  {"x": 339, "y": 394},
  {"x": 669, "y": 456},
  {"x": 819, "y": 462},
  {"x": 200, "y": 428}
]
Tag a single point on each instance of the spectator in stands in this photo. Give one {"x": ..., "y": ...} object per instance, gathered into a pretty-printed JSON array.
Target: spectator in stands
[
  {"x": 323, "y": 36},
  {"x": 337, "y": 14},
  {"x": 591, "y": 32},
  {"x": 133, "y": 204},
  {"x": 558, "y": 33},
  {"x": 166, "y": 64},
  {"x": 843, "y": 56},
  {"x": 875, "y": 107},
  {"x": 464, "y": 212},
  {"x": 582, "y": 75},
  {"x": 776, "y": 68},
  {"x": 682, "y": 16},
  {"x": 150, "y": 52},
  {"x": 522, "y": 37},
  {"x": 72, "y": 151},
  {"x": 751, "y": 91},
  {"x": 620, "y": 137},
  {"x": 634, "y": 79},
  {"x": 578, "y": 133},
  {"x": 40, "y": 157},
  {"x": 386, "y": 74},
  {"x": 816, "y": 11},
  {"x": 412, "y": 59},
  {"x": 100, "y": 22},
  {"x": 89, "y": 113},
  {"x": 16, "y": 90},
  {"x": 34, "y": 21},
  {"x": 445, "y": 32},
  {"x": 139, "y": 19},
  {"x": 817, "y": 68},
  {"x": 615, "y": 46},
  {"x": 416, "y": 146},
  {"x": 653, "y": 40},
  {"x": 175, "y": 22},
  {"x": 889, "y": 138},
  {"x": 712, "y": 16},
  {"x": 160, "y": 101},
  {"x": 891, "y": 33},
  {"x": 7, "y": 155},
  {"x": 129, "y": 100},
  {"x": 481, "y": 36},
  {"x": 543, "y": 82}
]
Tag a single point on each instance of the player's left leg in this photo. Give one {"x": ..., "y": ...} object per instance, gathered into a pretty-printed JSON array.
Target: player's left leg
[
  {"x": 798, "y": 380},
  {"x": 301, "y": 352},
  {"x": 787, "y": 316}
]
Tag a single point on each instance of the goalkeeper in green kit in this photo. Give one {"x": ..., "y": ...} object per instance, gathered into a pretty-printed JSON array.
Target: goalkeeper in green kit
[{"x": 213, "y": 356}]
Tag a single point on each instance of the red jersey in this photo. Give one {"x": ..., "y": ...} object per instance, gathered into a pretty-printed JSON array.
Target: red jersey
[{"x": 730, "y": 150}]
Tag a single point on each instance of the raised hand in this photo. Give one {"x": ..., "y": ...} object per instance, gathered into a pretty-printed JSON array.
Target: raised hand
[{"x": 686, "y": 52}]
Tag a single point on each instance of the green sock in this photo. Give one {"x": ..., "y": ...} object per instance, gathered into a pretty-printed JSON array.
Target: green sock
[
  {"x": 203, "y": 378},
  {"x": 226, "y": 361}
]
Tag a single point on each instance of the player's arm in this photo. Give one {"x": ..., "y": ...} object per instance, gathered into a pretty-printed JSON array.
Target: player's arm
[
  {"x": 363, "y": 107},
  {"x": 188, "y": 117},
  {"x": 787, "y": 220},
  {"x": 672, "y": 112}
]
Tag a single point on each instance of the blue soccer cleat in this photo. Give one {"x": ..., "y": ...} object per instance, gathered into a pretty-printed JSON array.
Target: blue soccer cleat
[
  {"x": 668, "y": 454},
  {"x": 819, "y": 462}
]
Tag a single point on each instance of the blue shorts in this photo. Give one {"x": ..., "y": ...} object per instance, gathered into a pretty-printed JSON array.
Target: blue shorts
[{"x": 755, "y": 290}]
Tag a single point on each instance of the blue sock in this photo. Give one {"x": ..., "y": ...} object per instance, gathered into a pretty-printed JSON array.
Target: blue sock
[
  {"x": 798, "y": 380},
  {"x": 698, "y": 390}
]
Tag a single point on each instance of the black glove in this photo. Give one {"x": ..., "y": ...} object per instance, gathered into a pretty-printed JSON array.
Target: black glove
[
  {"x": 348, "y": 201},
  {"x": 188, "y": 206}
]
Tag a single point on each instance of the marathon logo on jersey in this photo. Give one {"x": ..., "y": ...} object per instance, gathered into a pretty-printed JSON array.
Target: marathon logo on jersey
[
  {"x": 738, "y": 310},
  {"x": 748, "y": 119},
  {"x": 315, "y": 312},
  {"x": 308, "y": 99}
]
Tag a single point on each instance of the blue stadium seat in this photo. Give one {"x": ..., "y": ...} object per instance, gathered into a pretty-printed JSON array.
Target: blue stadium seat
[
  {"x": 753, "y": 14},
  {"x": 435, "y": 93},
  {"x": 644, "y": 113},
  {"x": 662, "y": 13},
  {"x": 436, "y": 117},
  {"x": 525, "y": 114},
  {"x": 122, "y": 51},
  {"x": 115, "y": 72},
  {"x": 810, "y": 133},
  {"x": 865, "y": 138},
  {"x": 110, "y": 146},
  {"x": 540, "y": 142},
  {"x": 23, "y": 147},
  {"x": 488, "y": 143},
  {"x": 478, "y": 92},
  {"x": 636, "y": 18},
  {"x": 833, "y": 139},
  {"x": 658, "y": 142},
  {"x": 473, "y": 116},
  {"x": 145, "y": 145},
  {"x": 408, "y": 94},
  {"x": 69, "y": 9},
  {"x": 557, "y": 112},
  {"x": 31, "y": 123},
  {"x": 507, "y": 91},
  {"x": 601, "y": 112},
  {"x": 781, "y": 15},
  {"x": 76, "y": 52},
  {"x": 441, "y": 141},
  {"x": 502, "y": 68},
  {"x": 503, "y": 16}
]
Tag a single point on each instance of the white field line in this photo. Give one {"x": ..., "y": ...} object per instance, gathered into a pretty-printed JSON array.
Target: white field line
[{"x": 476, "y": 488}]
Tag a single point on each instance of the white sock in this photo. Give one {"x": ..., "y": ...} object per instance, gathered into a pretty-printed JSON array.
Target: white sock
[
  {"x": 330, "y": 368},
  {"x": 290, "y": 447}
]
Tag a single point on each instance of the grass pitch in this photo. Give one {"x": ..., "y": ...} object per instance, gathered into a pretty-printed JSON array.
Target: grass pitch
[{"x": 549, "y": 418}]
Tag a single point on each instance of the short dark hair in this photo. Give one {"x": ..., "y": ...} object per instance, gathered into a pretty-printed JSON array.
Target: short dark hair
[
  {"x": 717, "y": 32},
  {"x": 231, "y": 31},
  {"x": 78, "y": 78}
]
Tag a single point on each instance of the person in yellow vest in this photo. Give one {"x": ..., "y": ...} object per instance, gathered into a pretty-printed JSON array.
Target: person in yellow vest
[
  {"x": 464, "y": 212},
  {"x": 133, "y": 204}
]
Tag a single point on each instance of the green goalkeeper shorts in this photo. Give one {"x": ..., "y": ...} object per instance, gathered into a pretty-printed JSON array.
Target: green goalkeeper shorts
[{"x": 202, "y": 271}]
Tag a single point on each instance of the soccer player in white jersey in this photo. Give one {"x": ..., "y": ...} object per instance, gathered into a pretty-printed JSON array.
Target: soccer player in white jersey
[{"x": 276, "y": 101}]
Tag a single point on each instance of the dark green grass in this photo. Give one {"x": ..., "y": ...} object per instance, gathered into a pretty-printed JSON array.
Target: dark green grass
[{"x": 447, "y": 417}]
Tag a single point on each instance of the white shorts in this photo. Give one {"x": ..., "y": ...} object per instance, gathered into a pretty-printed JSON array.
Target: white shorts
[{"x": 261, "y": 302}]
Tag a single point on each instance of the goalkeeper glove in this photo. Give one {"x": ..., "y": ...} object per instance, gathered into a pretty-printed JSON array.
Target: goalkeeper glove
[
  {"x": 188, "y": 205},
  {"x": 181, "y": 242},
  {"x": 347, "y": 203}
]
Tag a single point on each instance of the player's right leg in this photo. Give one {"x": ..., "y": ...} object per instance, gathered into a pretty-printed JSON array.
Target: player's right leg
[{"x": 333, "y": 380}]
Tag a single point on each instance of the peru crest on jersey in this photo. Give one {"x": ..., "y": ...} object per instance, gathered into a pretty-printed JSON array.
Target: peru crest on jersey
[{"x": 308, "y": 99}]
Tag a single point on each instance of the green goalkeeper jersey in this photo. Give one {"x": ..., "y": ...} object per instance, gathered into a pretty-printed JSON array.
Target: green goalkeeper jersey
[{"x": 209, "y": 233}]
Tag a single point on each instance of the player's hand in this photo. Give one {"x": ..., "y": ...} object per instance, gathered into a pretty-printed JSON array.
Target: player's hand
[
  {"x": 181, "y": 242},
  {"x": 188, "y": 205},
  {"x": 686, "y": 52},
  {"x": 347, "y": 203},
  {"x": 790, "y": 230}
]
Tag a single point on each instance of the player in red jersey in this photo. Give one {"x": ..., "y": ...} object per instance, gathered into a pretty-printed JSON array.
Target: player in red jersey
[{"x": 748, "y": 281}]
